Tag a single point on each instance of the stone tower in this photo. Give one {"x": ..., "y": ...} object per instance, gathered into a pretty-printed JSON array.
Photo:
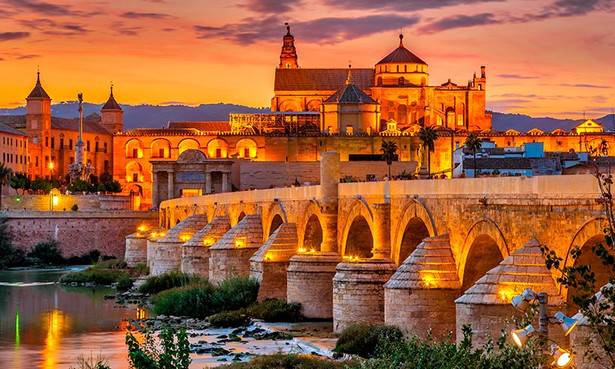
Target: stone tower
[
  {"x": 38, "y": 129},
  {"x": 288, "y": 56},
  {"x": 112, "y": 115}
]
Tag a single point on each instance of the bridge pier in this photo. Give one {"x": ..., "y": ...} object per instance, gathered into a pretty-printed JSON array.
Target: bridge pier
[
  {"x": 136, "y": 247},
  {"x": 310, "y": 283},
  {"x": 270, "y": 263},
  {"x": 195, "y": 252},
  {"x": 167, "y": 250},
  {"x": 230, "y": 256},
  {"x": 486, "y": 306},
  {"x": 358, "y": 292},
  {"x": 420, "y": 296}
]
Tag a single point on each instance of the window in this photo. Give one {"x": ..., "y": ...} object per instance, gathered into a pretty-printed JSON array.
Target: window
[
  {"x": 161, "y": 152},
  {"x": 106, "y": 166},
  {"x": 397, "y": 67},
  {"x": 70, "y": 144},
  {"x": 405, "y": 68},
  {"x": 135, "y": 177},
  {"x": 105, "y": 147},
  {"x": 96, "y": 146},
  {"x": 46, "y": 141},
  {"x": 87, "y": 146},
  {"x": 218, "y": 152},
  {"x": 135, "y": 153},
  {"x": 53, "y": 142},
  {"x": 61, "y": 143}
]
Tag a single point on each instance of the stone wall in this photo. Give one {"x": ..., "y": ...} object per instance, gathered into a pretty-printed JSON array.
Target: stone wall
[
  {"x": 78, "y": 232},
  {"x": 255, "y": 174},
  {"x": 91, "y": 202}
]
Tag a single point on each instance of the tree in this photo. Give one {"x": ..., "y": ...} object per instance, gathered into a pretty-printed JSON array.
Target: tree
[
  {"x": 473, "y": 144},
  {"x": 389, "y": 153},
  {"x": 20, "y": 181},
  {"x": 581, "y": 279},
  {"x": 5, "y": 175},
  {"x": 173, "y": 352},
  {"x": 428, "y": 137}
]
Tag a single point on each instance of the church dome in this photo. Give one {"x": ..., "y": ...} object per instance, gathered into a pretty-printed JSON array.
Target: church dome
[{"x": 402, "y": 55}]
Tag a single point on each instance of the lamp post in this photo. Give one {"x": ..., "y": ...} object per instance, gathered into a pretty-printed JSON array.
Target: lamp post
[
  {"x": 51, "y": 167},
  {"x": 561, "y": 358}
]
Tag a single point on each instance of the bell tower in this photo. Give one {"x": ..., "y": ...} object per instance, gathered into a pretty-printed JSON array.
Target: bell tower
[
  {"x": 112, "y": 115},
  {"x": 288, "y": 56},
  {"x": 38, "y": 112}
]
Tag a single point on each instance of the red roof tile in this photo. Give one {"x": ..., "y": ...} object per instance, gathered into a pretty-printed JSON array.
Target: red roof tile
[{"x": 320, "y": 79}]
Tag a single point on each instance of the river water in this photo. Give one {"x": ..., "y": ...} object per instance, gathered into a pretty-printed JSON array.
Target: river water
[{"x": 49, "y": 326}]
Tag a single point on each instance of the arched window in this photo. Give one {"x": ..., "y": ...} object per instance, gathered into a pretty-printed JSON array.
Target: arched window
[
  {"x": 450, "y": 117},
  {"x": 246, "y": 148},
  {"x": 217, "y": 148},
  {"x": 379, "y": 81},
  {"x": 134, "y": 172},
  {"x": 133, "y": 149},
  {"x": 161, "y": 149},
  {"x": 188, "y": 144}
]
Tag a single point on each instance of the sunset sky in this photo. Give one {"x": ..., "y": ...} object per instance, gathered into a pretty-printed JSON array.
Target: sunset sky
[{"x": 543, "y": 57}]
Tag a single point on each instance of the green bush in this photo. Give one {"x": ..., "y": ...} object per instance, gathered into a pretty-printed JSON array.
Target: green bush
[
  {"x": 124, "y": 283},
  {"x": 47, "y": 253},
  {"x": 194, "y": 301},
  {"x": 202, "y": 299},
  {"x": 103, "y": 277},
  {"x": 166, "y": 281},
  {"x": 291, "y": 361},
  {"x": 236, "y": 292},
  {"x": 226, "y": 319},
  {"x": 366, "y": 339},
  {"x": 276, "y": 310},
  {"x": 110, "y": 264},
  {"x": 139, "y": 270},
  {"x": 172, "y": 352}
]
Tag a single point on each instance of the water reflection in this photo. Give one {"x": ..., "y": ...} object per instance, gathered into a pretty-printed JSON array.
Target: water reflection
[{"x": 48, "y": 326}]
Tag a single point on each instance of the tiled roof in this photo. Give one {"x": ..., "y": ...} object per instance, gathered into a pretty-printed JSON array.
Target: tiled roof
[
  {"x": 185, "y": 229},
  {"x": 320, "y": 79},
  {"x": 204, "y": 126},
  {"x": 211, "y": 233},
  {"x": 401, "y": 55},
  {"x": 38, "y": 92},
  {"x": 111, "y": 104},
  {"x": 524, "y": 268},
  {"x": 91, "y": 123},
  {"x": 430, "y": 266},
  {"x": 15, "y": 121},
  {"x": 350, "y": 94},
  {"x": 4, "y": 128}
]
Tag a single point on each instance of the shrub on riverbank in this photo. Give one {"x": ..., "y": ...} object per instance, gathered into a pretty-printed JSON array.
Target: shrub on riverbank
[
  {"x": 105, "y": 273},
  {"x": 46, "y": 253},
  {"x": 366, "y": 340},
  {"x": 228, "y": 319},
  {"x": 274, "y": 310},
  {"x": 292, "y": 361},
  {"x": 10, "y": 256},
  {"x": 202, "y": 299},
  {"x": 168, "y": 280}
]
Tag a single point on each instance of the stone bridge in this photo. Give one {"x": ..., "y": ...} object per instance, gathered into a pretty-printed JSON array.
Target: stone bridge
[{"x": 424, "y": 255}]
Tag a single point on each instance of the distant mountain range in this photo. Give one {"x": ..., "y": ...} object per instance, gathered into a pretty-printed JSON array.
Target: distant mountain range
[{"x": 156, "y": 116}]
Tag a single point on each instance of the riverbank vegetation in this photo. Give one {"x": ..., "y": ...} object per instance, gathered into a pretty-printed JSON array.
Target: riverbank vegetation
[
  {"x": 106, "y": 273},
  {"x": 166, "y": 281}
]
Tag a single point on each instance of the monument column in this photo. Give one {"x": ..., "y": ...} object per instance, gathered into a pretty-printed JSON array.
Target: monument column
[
  {"x": 170, "y": 182},
  {"x": 208, "y": 182},
  {"x": 155, "y": 190},
  {"x": 310, "y": 274}
]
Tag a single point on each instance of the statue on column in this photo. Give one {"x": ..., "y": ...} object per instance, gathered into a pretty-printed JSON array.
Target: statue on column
[{"x": 79, "y": 169}]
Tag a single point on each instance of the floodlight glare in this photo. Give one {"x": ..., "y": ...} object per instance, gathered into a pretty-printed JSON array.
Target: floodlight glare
[
  {"x": 520, "y": 336},
  {"x": 567, "y": 323},
  {"x": 561, "y": 357},
  {"x": 522, "y": 301}
]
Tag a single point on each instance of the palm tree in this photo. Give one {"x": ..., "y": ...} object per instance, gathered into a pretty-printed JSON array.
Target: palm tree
[
  {"x": 428, "y": 137},
  {"x": 473, "y": 144},
  {"x": 5, "y": 175},
  {"x": 389, "y": 153}
]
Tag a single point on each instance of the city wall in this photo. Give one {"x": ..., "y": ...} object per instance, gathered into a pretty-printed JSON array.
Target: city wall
[
  {"x": 77, "y": 232},
  {"x": 63, "y": 202}
]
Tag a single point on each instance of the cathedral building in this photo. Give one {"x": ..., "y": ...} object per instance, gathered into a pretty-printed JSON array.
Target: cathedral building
[{"x": 399, "y": 83}]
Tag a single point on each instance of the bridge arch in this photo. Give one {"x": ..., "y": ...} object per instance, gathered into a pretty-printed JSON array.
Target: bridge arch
[
  {"x": 483, "y": 249},
  {"x": 273, "y": 218},
  {"x": 590, "y": 234},
  {"x": 415, "y": 224},
  {"x": 312, "y": 230},
  {"x": 358, "y": 233}
]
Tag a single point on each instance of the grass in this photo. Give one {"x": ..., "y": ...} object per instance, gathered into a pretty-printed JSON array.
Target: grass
[
  {"x": 167, "y": 281},
  {"x": 201, "y": 299},
  {"x": 273, "y": 310},
  {"x": 292, "y": 361},
  {"x": 366, "y": 339},
  {"x": 104, "y": 273}
]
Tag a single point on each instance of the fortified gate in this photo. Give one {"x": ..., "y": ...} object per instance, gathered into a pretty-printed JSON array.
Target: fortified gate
[{"x": 424, "y": 255}]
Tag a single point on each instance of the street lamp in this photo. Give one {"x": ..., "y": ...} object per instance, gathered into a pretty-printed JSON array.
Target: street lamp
[
  {"x": 51, "y": 166},
  {"x": 561, "y": 358}
]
